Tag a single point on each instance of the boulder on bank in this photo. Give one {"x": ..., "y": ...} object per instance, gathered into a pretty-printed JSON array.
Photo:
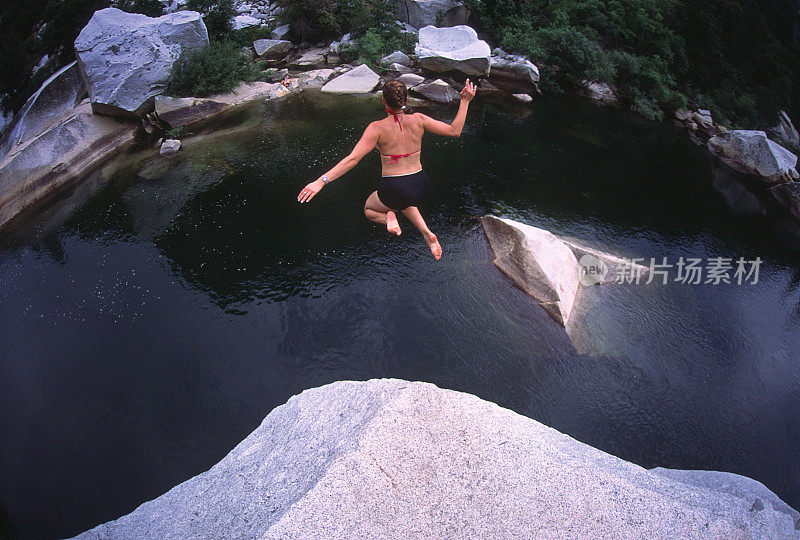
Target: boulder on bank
[
  {"x": 751, "y": 152},
  {"x": 359, "y": 80},
  {"x": 439, "y": 91},
  {"x": 272, "y": 49},
  {"x": 453, "y": 49},
  {"x": 390, "y": 458},
  {"x": 421, "y": 13},
  {"x": 788, "y": 194},
  {"x": 785, "y": 132},
  {"x": 411, "y": 79},
  {"x": 49, "y": 163},
  {"x": 280, "y": 32},
  {"x": 126, "y": 58},
  {"x": 513, "y": 73},
  {"x": 397, "y": 57},
  {"x": 58, "y": 95}
]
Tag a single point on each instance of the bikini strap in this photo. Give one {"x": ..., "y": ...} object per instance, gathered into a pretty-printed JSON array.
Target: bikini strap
[{"x": 396, "y": 118}]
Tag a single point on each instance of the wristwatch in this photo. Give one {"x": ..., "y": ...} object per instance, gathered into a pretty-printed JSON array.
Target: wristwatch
[{"x": 324, "y": 179}]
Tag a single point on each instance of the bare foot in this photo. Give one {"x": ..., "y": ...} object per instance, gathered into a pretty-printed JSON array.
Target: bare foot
[
  {"x": 433, "y": 243},
  {"x": 391, "y": 223}
]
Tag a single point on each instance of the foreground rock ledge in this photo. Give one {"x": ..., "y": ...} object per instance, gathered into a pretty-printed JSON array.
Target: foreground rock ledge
[{"x": 395, "y": 459}]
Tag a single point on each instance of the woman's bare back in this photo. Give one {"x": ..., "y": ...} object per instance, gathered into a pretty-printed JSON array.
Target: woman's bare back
[{"x": 394, "y": 143}]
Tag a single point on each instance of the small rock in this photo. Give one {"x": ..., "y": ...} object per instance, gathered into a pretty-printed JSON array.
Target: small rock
[
  {"x": 245, "y": 21},
  {"x": 280, "y": 32},
  {"x": 411, "y": 79},
  {"x": 683, "y": 114},
  {"x": 400, "y": 68},
  {"x": 170, "y": 146},
  {"x": 272, "y": 48},
  {"x": 276, "y": 75},
  {"x": 438, "y": 90},
  {"x": 524, "y": 98},
  {"x": 360, "y": 80},
  {"x": 397, "y": 57}
]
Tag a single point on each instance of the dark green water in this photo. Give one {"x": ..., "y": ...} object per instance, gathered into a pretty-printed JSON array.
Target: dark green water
[{"x": 150, "y": 332}]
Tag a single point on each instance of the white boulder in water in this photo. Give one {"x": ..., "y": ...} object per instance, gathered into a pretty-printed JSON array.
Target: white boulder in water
[
  {"x": 359, "y": 80},
  {"x": 453, "y": 49},
  {"x": 751, "y": 152},
  {"x": 537, "y": 262},
  {"x": 390, "y": 459},
  {"x": 438, "y": 90},
  {"x": 549, "y": 268},
  {"x": 126, "y": 58}
]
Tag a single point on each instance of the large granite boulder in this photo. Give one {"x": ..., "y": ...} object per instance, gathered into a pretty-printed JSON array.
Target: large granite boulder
[
  {"x": 453, "y": 49},
  {"x": 58, "y": 95},
  {"x": 513, "y": 73},
  {"x": 396, "y": 459},
  {"x": 126, "y": 58},
  {"x": 420, "y": 13},
  {"x": 359, "y": 80},
  {"x": 751, "y": 152}
]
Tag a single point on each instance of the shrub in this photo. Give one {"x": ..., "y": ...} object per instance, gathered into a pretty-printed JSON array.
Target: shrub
[
  {"x": 741, "y": 55},
  {"x": 375, "y": 44},
  {"x": 151, "y": 8},
  {"x": 217, "y": 15},
  {"x": 317, "y": 20},
  {"x": 213, "y": 69}
]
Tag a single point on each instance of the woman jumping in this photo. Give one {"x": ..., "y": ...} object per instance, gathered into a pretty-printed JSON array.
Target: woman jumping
[{"x": 398, "y": 138}]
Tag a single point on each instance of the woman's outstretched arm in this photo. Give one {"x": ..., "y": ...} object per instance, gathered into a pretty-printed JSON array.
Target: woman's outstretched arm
[
  {"x": 364, "y": 145},
  {"x": 454, "y": 129}
]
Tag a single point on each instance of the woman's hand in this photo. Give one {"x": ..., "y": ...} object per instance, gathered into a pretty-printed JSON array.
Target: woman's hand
[
  {"x": 310, "y": 190},
  {"x": 468, "y": 92}
]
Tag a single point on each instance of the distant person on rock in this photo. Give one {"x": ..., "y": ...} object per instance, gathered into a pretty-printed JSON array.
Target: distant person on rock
[{"x": 398, "y": 138}]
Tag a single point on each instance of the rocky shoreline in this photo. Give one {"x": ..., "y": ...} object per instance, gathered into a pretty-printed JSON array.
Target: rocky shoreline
[
  {"x": 388, "y": 458},
  {"x": 59, "y": 136}
]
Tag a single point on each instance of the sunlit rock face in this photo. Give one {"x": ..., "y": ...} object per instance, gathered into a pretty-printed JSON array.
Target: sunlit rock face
[
  {"x": 389, "y": 458},
  {"x": 453, "y": 49}
]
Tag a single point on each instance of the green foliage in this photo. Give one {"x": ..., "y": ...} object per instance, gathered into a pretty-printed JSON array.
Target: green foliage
[
  {"x": 174, "y": 133},
  {"x": 738, "y": 57},
  {"x": 318, "y": 20},
  {"x": 151, "y": 8},
  {"x": 375, "y": 44},
  {"x": 244, "y": 37},
  {"x": 211, "y": 70},
  {"x": 217, "y": 14}
]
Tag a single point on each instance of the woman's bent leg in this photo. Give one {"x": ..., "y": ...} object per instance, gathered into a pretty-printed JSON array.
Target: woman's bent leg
[
  {"x": 378, "y": 212},
  {"x": 412, "y": 213}
]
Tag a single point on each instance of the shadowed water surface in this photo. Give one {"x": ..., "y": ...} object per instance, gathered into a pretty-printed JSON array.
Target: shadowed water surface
[{"x": 150, "y": 332}]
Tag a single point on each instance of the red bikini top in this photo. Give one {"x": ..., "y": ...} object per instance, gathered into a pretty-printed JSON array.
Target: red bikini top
[{"x": 395, "y": 157}]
